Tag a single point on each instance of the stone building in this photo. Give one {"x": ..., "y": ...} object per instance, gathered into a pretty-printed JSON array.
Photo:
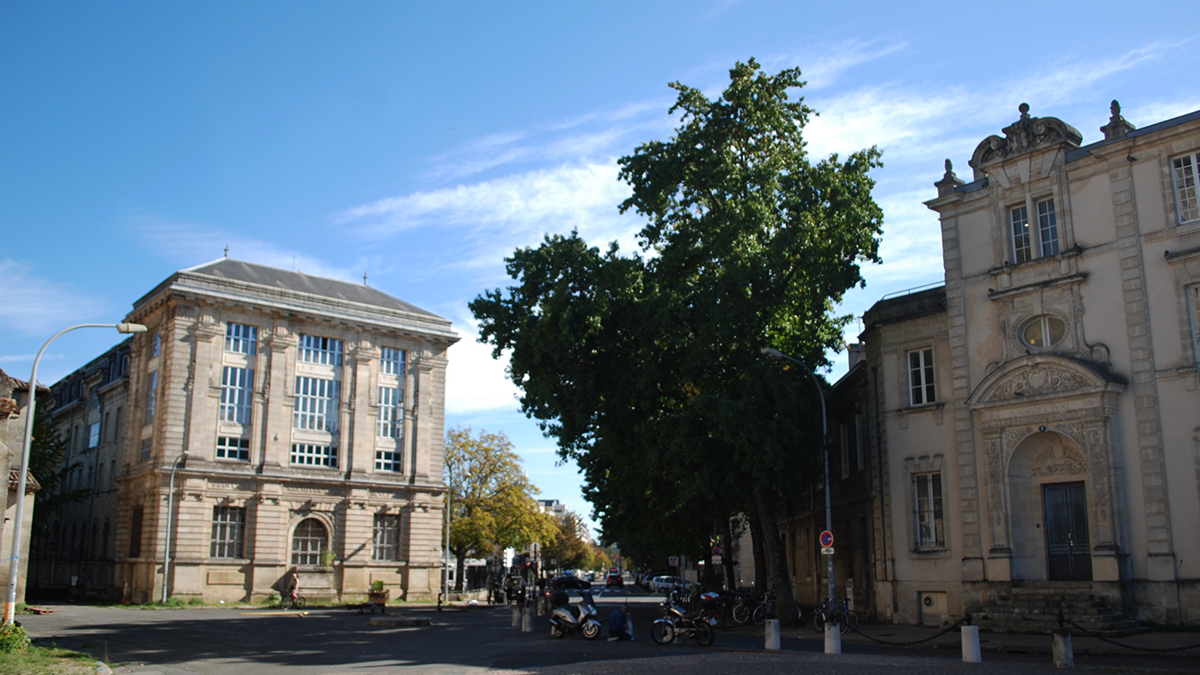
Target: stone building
[
  {"x": 1038, "y": 427},
  {"x": 14, "y": 397},
  {"x": 269, "y": 421}
]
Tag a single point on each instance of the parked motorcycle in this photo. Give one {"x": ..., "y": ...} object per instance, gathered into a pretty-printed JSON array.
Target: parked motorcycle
[
  {"x": 580, "y": 618},
  {"x": 679, "y": 624}
]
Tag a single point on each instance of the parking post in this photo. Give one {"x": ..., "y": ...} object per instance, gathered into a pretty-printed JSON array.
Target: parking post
[{"x": 772, "y": 634}]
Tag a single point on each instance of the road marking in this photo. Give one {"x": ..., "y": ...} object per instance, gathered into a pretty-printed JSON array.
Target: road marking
[{"x": 273, "y": 613}]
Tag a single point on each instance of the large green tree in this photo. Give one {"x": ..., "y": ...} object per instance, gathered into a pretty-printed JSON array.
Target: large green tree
[
  {"x": 647, "y": 368},
  {"x": 492, "y": 503}
]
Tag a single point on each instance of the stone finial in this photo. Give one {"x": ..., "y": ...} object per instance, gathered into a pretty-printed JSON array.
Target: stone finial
[
  {"x": 1024, "y": 110},
  {"x": 1118, "y": 126},
  {"x": 948, "y": 182}
]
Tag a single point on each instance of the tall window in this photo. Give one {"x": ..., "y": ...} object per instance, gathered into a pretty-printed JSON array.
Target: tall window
[
  {"x": 391, "y": 362},
  {"x": 135, "y": 532},
  {"x": 844, "y": 434},
  {"x": 1020, "y": 233},
  {"x": 145, "y": 449},
  {"x": 228, "y": 524},
  {"x": 316, "y": 404},
  {"x": 241, "y": 339},
  {"x": 390, "y": 412},
  {"x": 927, "y": 503},
  {"x": 1047, "y": 227},
  {"x": 920, "y": 377},
  {"x": 326, "y": 351},
  {"x": 155, "y": 345},
  {"x": 1029, "y": 243},
  {"x": 859, "y": 440},
  {"x": 151, "y": 395},
  {"x": 311, "y": 454},
  {"x": 236, "y": 387},
  {"x": 386, "y": 539},
  {"x": 1194, "y": 301},
  {"x": 93, "y": 434},
  {"x": 308, "y": 540},
  {"x": 229, "y": 447},
  {"x": 1184, "y": 170}
]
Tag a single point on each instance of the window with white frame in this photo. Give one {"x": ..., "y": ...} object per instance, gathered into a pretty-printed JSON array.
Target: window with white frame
[
  {"x": 1183, "y": 170},
  {"x": 151, "y": 395},
  {"x": 388, "y": 460},
  {"x": 386, "y": 538},
  {"x": 929, "y": 523},
  {"x": 230, "y": 447},
  {"x": 93, "y": 435},
  {"x": 316, "y": 404},
  {"x": 391, "y": 361},
  {"x": 920, "y": 377},
  {"x": 1194, "y": 301},
  {"x": 241, "y": 339},
  {"x": 391, "y": 419},
  {"x": 228, "y": 526},
  {"x": 237, "y": 385},
  {"x": 313, "y": 454},
  {"x": 307, "y": 541},
  {"x": 1029, "y": 242},
  {"x": 322, "y": 350}
]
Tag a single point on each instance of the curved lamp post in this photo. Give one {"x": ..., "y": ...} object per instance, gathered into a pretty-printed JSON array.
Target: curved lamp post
[
  {"x": 778, "y": 355},
  {"x": 10, "y": 603}
]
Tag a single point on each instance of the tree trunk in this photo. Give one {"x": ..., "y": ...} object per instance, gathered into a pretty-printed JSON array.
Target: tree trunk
[
  {"x": 460, "y": 563},
  {"x": 760, "y": 556},
  {"x": 727, "y": 559},
  {"x": 781, "y": 578}
]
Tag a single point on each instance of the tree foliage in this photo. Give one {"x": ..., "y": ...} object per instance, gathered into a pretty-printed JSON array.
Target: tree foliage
[
  {"x": 572, "y": 546},
  {"x": 647, "y": 368},
  {"x": 492, "y": 501},
  {"x": 47, "y": 450}
]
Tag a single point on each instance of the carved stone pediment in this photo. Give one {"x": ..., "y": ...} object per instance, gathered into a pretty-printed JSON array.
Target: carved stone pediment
[
  {"x": 1038, "y": 377},
  {"x": 1025, "y": 135}
]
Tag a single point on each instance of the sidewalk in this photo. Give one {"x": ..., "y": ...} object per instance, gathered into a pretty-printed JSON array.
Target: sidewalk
[{"x": 1008, "y": 643}]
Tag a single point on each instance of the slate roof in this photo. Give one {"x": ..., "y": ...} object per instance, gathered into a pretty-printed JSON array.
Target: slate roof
[{"x": 253, "y": 273}]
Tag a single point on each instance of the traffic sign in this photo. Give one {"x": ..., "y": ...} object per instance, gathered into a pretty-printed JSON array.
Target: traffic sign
[
  {"x": 826, "y": 539},
  {"x": 673, "y": 561},
  {"x": 716, "y": 550},
  {"x": 826, "y": 550}
]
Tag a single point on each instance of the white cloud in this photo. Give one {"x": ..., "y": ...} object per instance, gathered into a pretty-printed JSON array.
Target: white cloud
[
  {"x": 474, "y": 380},
  {"x": 189, "y": 244},
  {"x": 35, "y": 306}
]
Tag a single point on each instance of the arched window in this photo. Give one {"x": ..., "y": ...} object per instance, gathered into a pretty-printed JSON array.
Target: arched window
[
  {"x": 308, "y": 540},
  {"x": 1043, "y": 332}
]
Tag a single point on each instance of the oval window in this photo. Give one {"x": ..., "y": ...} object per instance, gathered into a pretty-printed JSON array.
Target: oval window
[{"x": 1043, "y": 332}]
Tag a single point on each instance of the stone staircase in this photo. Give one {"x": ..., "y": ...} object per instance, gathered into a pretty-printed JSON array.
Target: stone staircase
[{"x": 1032, "y": 606}]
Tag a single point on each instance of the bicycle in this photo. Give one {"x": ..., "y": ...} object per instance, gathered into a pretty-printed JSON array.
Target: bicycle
[
  {"x": 845, "y": 617},
  {"x": 296, "y": 602},
  {"x": 767, "y": 610}
]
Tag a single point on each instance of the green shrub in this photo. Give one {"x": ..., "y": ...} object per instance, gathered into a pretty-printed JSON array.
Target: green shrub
[{"x": 12, "y": 639}]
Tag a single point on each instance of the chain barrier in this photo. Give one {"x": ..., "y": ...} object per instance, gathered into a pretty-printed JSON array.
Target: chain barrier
[
  {"x": 966, "y": 619},
  {"x": 1161, "y": 650}
]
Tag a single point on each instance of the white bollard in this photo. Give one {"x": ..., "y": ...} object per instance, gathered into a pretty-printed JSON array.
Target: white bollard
[
  {"x": 516, "y": 619},
  {"x": 833, "y": 639},
  {"x": 629, "y": 625},
  {"x": 527, "y": 620},
  {"x": 970, "y": 645},
  {"x": 1064, "y": 653},
  {"x": 772, "y": 634}
]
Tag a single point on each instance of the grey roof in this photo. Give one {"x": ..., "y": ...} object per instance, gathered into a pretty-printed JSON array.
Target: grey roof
[
  {"x": 1079, "y": 153},
  {"x": 253, "y": 273}
]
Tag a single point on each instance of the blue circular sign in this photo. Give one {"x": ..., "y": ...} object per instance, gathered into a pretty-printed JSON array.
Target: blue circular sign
[{"x": 827, "y": 538}]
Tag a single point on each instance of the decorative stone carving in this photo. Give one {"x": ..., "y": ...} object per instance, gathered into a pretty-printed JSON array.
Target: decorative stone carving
[
  {"x": 1058, "y": 458},
  {"x": 1025, "y": 135},
  {"x": 1037, "y": 380}
]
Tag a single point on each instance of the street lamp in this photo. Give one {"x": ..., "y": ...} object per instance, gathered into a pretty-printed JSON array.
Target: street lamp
[
  {"x": 10, "y": 603},
  {"x": 830, "y": 621}
]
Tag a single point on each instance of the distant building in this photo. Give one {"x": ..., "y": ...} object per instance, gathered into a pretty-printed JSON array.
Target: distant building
[
  {"x": 300, "y": 422},
  {"x": 1029, "y": 431},
  {"x": 14, "y": 397}
]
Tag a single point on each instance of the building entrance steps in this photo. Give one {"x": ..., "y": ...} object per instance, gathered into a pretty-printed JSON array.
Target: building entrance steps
[{"x": 1035, "y": 606}]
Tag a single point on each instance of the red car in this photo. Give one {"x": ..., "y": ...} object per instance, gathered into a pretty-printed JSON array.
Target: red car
[{"x": 614, "y": 578}]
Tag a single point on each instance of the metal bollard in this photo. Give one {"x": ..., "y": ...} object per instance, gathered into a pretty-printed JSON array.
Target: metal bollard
[
  {"x": 527, "y": 620},
  {"x": 772, "y": 634},
  {"x": 516, "y": 618},
  {"x": 970, "y": 645},
  {"x": 833, "y": 638},
  {"x": 1064, "y": 653}
]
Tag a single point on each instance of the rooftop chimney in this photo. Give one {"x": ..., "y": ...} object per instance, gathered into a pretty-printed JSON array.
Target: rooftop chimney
[{"x": 857, "y": 352}]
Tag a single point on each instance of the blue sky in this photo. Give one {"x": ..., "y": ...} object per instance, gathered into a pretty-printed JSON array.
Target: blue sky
[{"x": 420, "y": 143}]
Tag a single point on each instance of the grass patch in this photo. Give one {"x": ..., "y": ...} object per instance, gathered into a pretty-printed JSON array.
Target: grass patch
[{"x": 37, "y": 659}]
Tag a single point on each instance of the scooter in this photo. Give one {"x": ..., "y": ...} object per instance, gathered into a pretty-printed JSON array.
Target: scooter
[{"x": 583, "y": 620}]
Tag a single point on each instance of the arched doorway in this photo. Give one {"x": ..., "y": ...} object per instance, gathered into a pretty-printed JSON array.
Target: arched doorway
[{"x": 1048, "y": 506}]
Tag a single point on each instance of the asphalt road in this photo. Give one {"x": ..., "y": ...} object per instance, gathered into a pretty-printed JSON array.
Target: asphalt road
[{"x": 470, "y": 640}]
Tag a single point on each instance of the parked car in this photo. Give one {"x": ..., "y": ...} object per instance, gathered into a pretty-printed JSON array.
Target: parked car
[
  {"x": 569, "y": 581},
  {"x": 666, "y": 584}
]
